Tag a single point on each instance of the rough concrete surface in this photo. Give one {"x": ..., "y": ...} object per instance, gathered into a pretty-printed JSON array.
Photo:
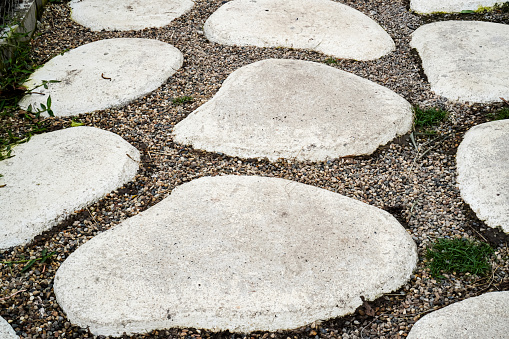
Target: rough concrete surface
[
  {"x": 465, "y": 60},
  {"x": 483, "y": 172},
  {"x": 321, "y": 25},
  {"x": 103, "y": 74},
  {"x": 485, "y": 316},
  {"x": 55, "y": 174},
  {"x": 449, "y": 6},
  {"x": 235, "y": 253},
  {"x": 6, "y": 331},
  {"x": 296, "y": 109},
  {"x": 125, "y": 15}
]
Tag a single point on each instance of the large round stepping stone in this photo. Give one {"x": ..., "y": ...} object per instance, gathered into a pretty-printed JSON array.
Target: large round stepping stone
[
  {"x": 465, "y": 60},
  {"x": 6, "y": 331},
  {"x": 55, "y": 174},
  {"x": 321, "y": 25},
  {"x": 235, "y": 253},
  {"x": 125, "y": 15},
  {"x": 296, "y": 109},
  {"x": 103, "y": 74},
  {"x": 449, "y": 6},
  {"x": 483, "y": 172},
  {"x": 485, "y": 316}
]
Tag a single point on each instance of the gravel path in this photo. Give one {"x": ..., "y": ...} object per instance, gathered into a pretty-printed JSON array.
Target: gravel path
[{"x": 417, "y": 186}]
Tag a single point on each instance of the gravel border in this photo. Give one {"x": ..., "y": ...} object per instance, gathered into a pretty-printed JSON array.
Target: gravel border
[{"x": 417, "y": 186}]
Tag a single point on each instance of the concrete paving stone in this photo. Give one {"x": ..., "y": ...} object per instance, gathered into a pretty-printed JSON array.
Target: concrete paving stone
[
  {"x": 483, "y": 172},
  {"x": 57, "y": 173},
  {"x": 103, "y": 74},
  {"x": 125, "y": 15},
  {"x": 485, "y": 316},
  {"x": 6, "y": 331},
  {"x": 235, "y": 253},
  {"x": 465, "y": 60},
  {"x": 295, "y": 109},
  {"x": 449, "y": 6},
  {"x": 321, "y": 25}
]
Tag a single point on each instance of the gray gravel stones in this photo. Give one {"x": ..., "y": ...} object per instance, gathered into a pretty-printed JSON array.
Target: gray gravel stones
[
  {"x": 102, "y": 74},
  {"x": 485, "y": 316},
  {"x": 57, "y": 173},
  {"x": 296, "y": 109},
  {"x": 6, "y": 331},
  {"x": 465, "y": 60},
  {"x": 321, "y": 25},
  {"x": 125, "y": 15},
  {"x": 449, "y": 6},
  {"x": 238, "y": 253},
  {"x": 483, "y": 172}
]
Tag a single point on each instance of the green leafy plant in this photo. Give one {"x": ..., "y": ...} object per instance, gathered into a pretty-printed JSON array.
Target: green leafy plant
[
  {"x": 499, "y": 115},
  {"x": 45, "y": 257},
  {"x": 428, "y": 117},
  {"x": 182, "y": 100},
  {"x": 458, "y": 255}
]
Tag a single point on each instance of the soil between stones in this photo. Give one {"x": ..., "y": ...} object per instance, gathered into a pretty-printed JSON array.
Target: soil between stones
[{"x": 417, "y": 186}]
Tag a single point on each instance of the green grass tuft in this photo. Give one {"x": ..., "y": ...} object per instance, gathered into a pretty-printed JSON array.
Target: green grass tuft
[
  {"x": 502, "y": 114},
  {"x": 428, "y": 117},
  {"x": 460, "y": 256},
  {"x": 331, "y": 61},
  {"x": 182, "y": 100}
]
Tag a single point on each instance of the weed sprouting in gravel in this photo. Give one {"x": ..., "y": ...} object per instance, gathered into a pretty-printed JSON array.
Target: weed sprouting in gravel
[
  {"x": 460, "y": 256},
  {"x": 182, "y": 100},
  {"x": 499, "y": 115},
  {"x": 428, "y": 117}
]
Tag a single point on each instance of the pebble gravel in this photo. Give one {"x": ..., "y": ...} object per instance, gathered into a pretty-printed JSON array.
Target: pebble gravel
[{"x": 416, "y": 182}]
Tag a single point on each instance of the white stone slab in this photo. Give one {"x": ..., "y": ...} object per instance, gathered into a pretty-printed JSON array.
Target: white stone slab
[
  {"x": 6, "y": 331},
  {"x": 235, "y": 253},
  {"x": 449, "y": 6},
  {"x": 483, "y": 172},
  {"x": 135, "y": 67},
  {"x": 296, "y": 109},
  {"x": 321, "y": 25},
  {"x": 125, "y": 15},
  {"x": 55, "y": 174},
  {"x": 485, "y": 316},
  {"x": 465, "y": 60}
]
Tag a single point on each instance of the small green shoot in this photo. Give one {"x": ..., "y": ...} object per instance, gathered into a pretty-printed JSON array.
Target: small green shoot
[
  {"x": 501, "y": 114},
  {"x": 45, "y": 255},
  {"x": 331, "y": 61},
  {"x": 428, "y": 117},
  {"x": 76, "y": 123},
  {"x": 182, "y": 100},
  {"x": 460, "y": 256}
]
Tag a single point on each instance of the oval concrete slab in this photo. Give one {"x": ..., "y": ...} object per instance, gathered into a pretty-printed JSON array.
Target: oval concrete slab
[
  {"x": 449, "y": 6},
  {"x": 321, "y": 25},
  {"x": 103, "y": 74},
  {"x": 483, "y": 172},
  {"x": 465, "y": 60},
  {"x": 485, "y": 316},
  {"x": 6, "y": 331},
  {"x": 125, "y": 15},
  {"x": 55, "y": 174},
  {"x": 296, "y": 109},
  {"x": 235, "y": 253}
]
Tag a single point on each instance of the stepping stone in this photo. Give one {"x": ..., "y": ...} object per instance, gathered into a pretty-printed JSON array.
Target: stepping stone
[
  {"x": 320, "y": 25},
  {"x": 74, "y": 168},
  {"x": 122, "y": 15},
  {"x": 465, "y": 60},
  {"x": 6, "y": 331},
  {"x": 296, "y": 109},
  {"x": 483, "y": 172},
  {"x": 235, "y": 253},
  {"x": 485, "y": 316},
  {"x": 449, "y": 6},
  {"x": 103, "y": 74}
]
